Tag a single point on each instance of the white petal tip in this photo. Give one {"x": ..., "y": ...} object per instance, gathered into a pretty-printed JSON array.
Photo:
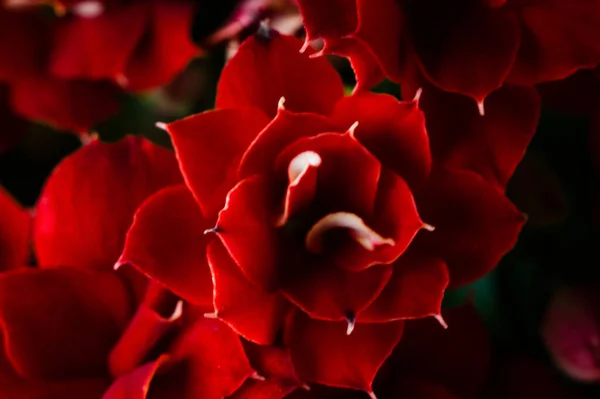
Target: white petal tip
[
  {"x": 318, "y": 54},
  {"x": 281, "y": 104},
  {"x": 257, "y": 377},
  {"x": 305, "y": 45},
  {"x": 161, "y": 126},
  {"x": 211, "y": 315},
  {"x": 122, "y": 80},
  {"x": 351, "y": 320},
  {"x": 441, "y": 320},
  {"x": 417, "y": 96},
  {"x": 481, "y": 108},
  {"x": 428, "y": 227},
  {"x": 372, "y": 395},
  {"x": 352, "y": 128},
  {"x": 118, "y": 265}
]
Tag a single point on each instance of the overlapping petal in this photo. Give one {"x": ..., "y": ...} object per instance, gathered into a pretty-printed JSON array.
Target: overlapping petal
[
  {"x": 15, "y": 229},
  {"x": 89, "y": 201},
  {"x": 166, "y": 241},
  {"x": 269, "y": 66}
]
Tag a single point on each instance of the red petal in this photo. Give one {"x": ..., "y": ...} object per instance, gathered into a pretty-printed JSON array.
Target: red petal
[
  {"x": 395, "y": 218},
  {"x": 167, "y": 47},
  {"x": 246, "y": 228},
  {"x": 269, "y": 389},
  {"x": 139, "y": 340},
  {"x": 323, "y": 353},
  {"x": 209, "y": 146},
  {"x": 491, "y": 145},
  {"x": 286, "y": 128},
  {"x": 167, "y": 242},
  {"x": 328, "y": 293},
  {"x": 392, "y": 130},
  {"x": 558, "y": 37},
  {"x": 264, "y": 70},
  {"x": 88, "y": 202},
  {"x": 136, "y": 384},
  {"x": 15, "y": 227},
  {"x": 457, "y": 357},
  {"x": 99, "y": 47},
  {"x": 380, "y": 27},
  {"x": 75, "y": 105},
  {"x": 252, "y": 312},
  {"x": 415, "y": 290},
  {"x": 475, "y": 225},
  {"x": 23, "y": 53},
  {"x": 468, "y": 49},
  {"x": 272, "y": 363},
  {"x": 347, "y": 177},
  {"x": 333, "y": 19},
  {"x": 364, "y": 62},
  {"x": 61, "y": 323},
  {"x": 209, "y": 363}
]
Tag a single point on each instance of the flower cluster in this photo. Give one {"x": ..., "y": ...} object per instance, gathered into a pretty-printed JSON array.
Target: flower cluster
[{"x": 297, "y": 240}]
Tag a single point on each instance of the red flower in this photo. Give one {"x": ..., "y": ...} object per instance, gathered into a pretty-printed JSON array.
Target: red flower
[
  {"x": 14, "y": 233},
  {"x": 314, "y": 222},
  {"x": 471, "y": 47},
  {"x": 74, "y": 332}
]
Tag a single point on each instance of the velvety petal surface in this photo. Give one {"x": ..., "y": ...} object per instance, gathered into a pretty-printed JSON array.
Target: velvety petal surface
[
  {"x": 61, "y": 323},
  {"x": 207, "y": 361},
  {"x": 209, "y": 146},
  {"x": 283, "y": 130},
  {"x": 381, "y": 28},
  {"x": 558, "y": 37},
  {"x": 322, "y": 352},
  {"x": 22, "y": 55},
  {"x": 15, "y": 229},
  {"x": 394, "y": 131},
  {"x": 475, "y": 225},
  {"x": 347, "y": 177},
  {"x": 88, "y": 202},
  {"x": 166, "y": 47},
  {"x": 415, "y": 290},
  {"x": 491, "y": 145},
  {"x": 333, "y": 19},
  {"x": 167, "y": 242},
  {"x": 252, "y": 312},
  {"x": 269, "y": 66},
  {"x": 76, "y": 105},
  {"x": 98, "y": 47},
  {"x": 467, "y": 48}
]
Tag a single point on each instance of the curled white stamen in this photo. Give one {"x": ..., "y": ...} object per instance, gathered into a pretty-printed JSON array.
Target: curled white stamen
[{"x": 362, "y": 233}]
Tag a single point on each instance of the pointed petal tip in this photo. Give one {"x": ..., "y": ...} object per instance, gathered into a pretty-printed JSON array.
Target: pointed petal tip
[
  {"x": 212, "y": 230},
  {"x": 122, "y": 80},
  {"x": 257, "y": 377},
  {"x": 351, "y": 320},
  {"x": 161, "y": 126},
  {"x": 281, "y": 104},
  {"x": 428, "y": 227},
  {"x": 118, "y": 264},
  {"x": 352, "y": 129},
  {"x": 372, "y": 395},
  {"x": 481, "y": 107},
  {"x": 417, "y": 96},
  {"x": 441, "y": 320},
  {"x": 318, "y": 54},
  {"x": 306, "y": 44}
]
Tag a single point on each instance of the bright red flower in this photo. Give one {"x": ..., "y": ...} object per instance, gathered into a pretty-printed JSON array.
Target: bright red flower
[
  {"x": 15, "y": 227},
  {"x": 471, "y": 47},
  {"x": 316, "y": 224}
]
